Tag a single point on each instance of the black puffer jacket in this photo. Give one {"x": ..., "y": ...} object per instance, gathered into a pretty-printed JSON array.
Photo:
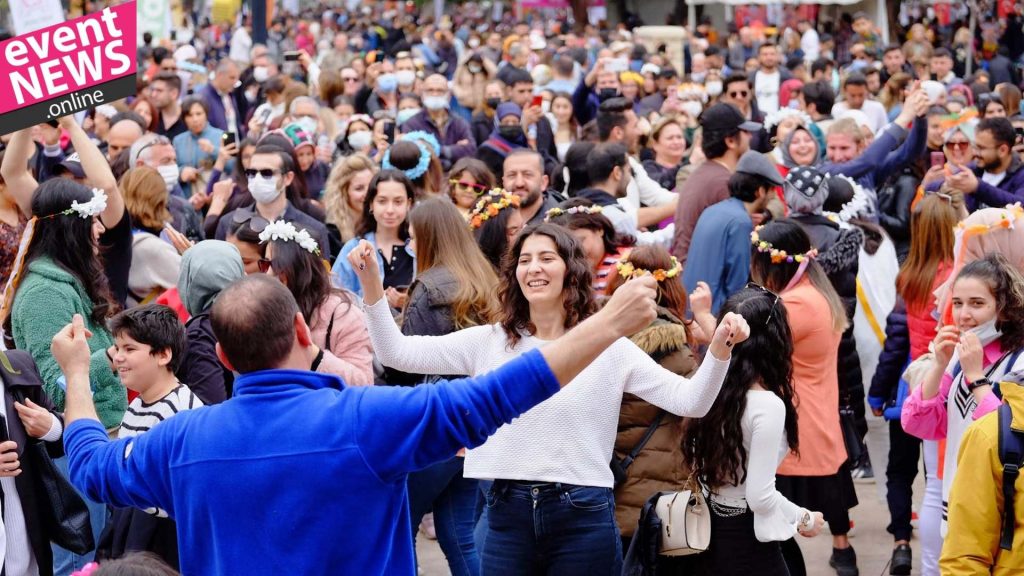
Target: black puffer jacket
[
  {"x": 839, "y": 251},
  {"x": 894, "y": 201},
  {"x": 893, "y": 359}
]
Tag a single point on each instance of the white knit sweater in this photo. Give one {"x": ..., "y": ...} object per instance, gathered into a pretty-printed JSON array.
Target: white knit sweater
[{"x": 569, "y": 437}]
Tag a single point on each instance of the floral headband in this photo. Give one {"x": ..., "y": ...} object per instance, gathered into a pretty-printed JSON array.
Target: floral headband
[
  {"x": 856, "y": 205},
  {"x": 94, "y": 207},
  {"x": 425, "y": 137},
  {"x": 556, "y": 212},
  {"x": 776, "y": 118},
  {"x": 287, "y": 232},
  {"x": 628, "y": 270},
  {"x": 490, "y": 205},
  {"x": 779, "y": 256}
]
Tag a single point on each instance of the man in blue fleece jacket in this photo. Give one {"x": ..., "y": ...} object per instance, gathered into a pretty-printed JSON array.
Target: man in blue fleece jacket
[{"x": 298, "y": 473}]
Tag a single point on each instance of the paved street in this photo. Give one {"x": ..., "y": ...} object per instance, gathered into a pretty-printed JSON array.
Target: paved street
[{"x": 872, "y": 542}]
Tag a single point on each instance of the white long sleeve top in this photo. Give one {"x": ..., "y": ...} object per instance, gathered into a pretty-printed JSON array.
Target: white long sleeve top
[
  {"x": 569, "y": 437},
  {"x": 764, "y": 437}
]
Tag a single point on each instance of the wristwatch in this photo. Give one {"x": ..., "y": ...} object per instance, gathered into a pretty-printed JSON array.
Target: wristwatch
[{"x": 978, "y": 384}]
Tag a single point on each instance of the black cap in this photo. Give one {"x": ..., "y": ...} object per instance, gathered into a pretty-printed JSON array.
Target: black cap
[
  {"x": 70, "y": 164},
  {"x": 726, "y": 118}
]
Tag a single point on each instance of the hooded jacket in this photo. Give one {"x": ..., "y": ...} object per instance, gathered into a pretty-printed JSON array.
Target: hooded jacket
[
  {"x": 206, "y": 269},
  {"x": 976, "y": 500}
]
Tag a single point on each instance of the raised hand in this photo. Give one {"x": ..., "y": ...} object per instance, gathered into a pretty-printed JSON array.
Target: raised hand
[
  {"x": 732, "y": 330},
  {"x": 70, "y": 348},
  {"x": 632, "y": 307}
]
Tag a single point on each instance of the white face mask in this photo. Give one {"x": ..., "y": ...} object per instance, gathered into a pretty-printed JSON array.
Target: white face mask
[
  {"x": 169, "y": 172},
  {"x": 360, "y": 140},
  {"x": 714, "y": 88},
  {"x": 474, "y": 42},
  {"x": 405, "y": 77},
  {"x": 264, "y": 190},
  {"x": 987, "y": 332},
  {"x": 404, "y": 115},
  {"x": 309, "y": 125},
  {"x": 260, "y": 73},
  {"x": 435, "y": 102},
  {"x": 692, "y": 108}
]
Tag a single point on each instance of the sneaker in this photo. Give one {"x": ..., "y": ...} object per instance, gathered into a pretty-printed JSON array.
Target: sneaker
[
  {"x": 844, "y": 560},
  {"x": 863, "y": 474},
  {"x": 902, "y": 561}
]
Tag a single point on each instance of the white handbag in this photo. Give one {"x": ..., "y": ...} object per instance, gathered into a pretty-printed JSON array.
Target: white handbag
[{"x": 685, "y": 521}]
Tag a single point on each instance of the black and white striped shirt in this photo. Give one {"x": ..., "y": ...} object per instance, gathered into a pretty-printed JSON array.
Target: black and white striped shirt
[{"x": 140, "y": 416}]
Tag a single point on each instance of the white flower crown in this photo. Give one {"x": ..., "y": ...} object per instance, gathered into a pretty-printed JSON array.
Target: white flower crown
[
  {"x": 776, "y": 118},
  {"x": 856, "y": 205},
  {"x": 287, "y": 232},
  {"x": 93, "y": 207}
]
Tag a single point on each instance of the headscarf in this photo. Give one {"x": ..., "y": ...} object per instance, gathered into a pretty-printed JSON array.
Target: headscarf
[
  {"x": 787, "y": 159},
  {"x": 787, "y": 88},
  {"x": 986, "y": 231},
  {"x": 206, "y": 269},
  {"x": 806, "y": 189}
]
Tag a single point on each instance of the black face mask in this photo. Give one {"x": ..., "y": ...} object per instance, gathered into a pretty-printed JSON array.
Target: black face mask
[
  {"x": 606, "y": 93},
  {"x": 492, "y": 103},
  {"x": 511, "y": 133}
]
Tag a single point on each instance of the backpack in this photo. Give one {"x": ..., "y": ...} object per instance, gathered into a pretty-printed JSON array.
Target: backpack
[{"x": 1011, "y": 455}]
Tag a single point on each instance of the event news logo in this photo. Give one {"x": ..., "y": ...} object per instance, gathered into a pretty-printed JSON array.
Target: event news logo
[{"x": 68, "y": 67}]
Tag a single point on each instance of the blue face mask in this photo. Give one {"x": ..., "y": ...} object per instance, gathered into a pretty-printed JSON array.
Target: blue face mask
[
  {"x": 404, "y": 115},
  {"x": 387, "y": 83}
]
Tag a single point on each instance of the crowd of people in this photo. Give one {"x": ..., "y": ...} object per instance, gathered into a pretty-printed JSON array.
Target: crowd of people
[{"x": 298, "y": 303}]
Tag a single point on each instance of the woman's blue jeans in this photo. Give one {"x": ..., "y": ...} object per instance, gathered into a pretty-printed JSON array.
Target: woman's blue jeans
[
  {"x": 550, "y": 528},
  {"x": 453, "y": 499}
]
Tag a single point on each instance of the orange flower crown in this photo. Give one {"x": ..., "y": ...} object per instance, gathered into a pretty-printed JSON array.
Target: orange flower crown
[
  {"x": 627, "y": 270},
  {"x": 779, "y": 256},
  {"x": 490, "y": 204}
]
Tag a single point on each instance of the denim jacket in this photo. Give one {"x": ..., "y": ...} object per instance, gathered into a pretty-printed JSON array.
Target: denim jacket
[{"x": 345, "y": 276}]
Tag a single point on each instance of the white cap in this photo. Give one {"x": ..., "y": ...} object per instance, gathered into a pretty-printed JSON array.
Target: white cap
[
  {"x": 537, "y": 42},
  {"x": 185, "y": 53},
  {"x": 650, "y": 68}
]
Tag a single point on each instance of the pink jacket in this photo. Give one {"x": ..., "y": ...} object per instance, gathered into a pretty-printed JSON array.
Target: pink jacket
[
  {"x": 928, "y": 419},
  {"x": 349, "y": 354}
]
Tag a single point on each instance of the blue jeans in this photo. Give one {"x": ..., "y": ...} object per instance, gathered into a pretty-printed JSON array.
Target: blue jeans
[
  {"x": 453, "y": 499},
  {"x": 65, "y": 562},
  {"x": 550, "y": 528}
]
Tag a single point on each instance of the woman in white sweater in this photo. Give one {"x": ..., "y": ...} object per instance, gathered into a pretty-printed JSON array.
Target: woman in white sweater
[
  {"x": 550, "y": 508},
  {"x": 737, "y": 447}
]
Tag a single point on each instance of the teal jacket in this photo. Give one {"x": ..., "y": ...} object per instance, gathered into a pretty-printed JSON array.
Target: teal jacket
[{"x": 45, "y": 302}]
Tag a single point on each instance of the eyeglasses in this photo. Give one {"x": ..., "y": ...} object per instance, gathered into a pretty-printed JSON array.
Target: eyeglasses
[
  {"x": 961, "y": 146},
  {"x": 157, "y": 141},
  {"x": 267, "y": 173},
  {"x": 265, "y": 264},
  {"x": 476, "y": 188},
  {"x": 754, "y": 286},
  {"x": 256, "y": 222},
  {"x": 739, "y": 94}
]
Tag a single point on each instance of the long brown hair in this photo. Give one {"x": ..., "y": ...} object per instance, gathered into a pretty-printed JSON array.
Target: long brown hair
[
  {"x": 443, "y": 239},
  {"x": 932, "y": 239},
  {"x": 786, "y": 234},
  {"x": 577, "y": 297},
  {"x": 671, "y": 293}
]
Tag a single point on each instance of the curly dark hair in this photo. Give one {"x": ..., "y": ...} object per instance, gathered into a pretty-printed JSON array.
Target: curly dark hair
[
  {"x": 713, "y": 445},
  {"x": 577, "y": 297},
  {"x": 1007, "y": 285},
  {"x": 68, "y": 241}
]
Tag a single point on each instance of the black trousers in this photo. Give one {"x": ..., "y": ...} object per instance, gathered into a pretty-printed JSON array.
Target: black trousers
[
  {"x": 735, "y": 549},
  {"x": 904, "y": 456}
]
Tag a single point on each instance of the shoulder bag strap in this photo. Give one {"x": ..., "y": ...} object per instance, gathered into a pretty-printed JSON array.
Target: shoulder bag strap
[
  {"x": 643, "y": 441},
  {"x": 1010, "y": 454}
]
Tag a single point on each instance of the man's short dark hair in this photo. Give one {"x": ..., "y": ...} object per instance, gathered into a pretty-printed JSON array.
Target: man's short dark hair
[
  {"x": 893, "y": 48},
  {"x": 735, "y": 78},
  {"x": 872, "y": 72},
  {"x": 1001, "y": 129},
  {"x": 713, "y": 142},
  {"x": 712, "y": 51},
  {"x": 156, "y": 326},
  {"x": 130, "y": 115},
  {"x": 172, "y": 80},
  {"x": 936, "y": 111},
  {"x": 254, "y": 322},
  {"x": 603, "y": 159},
  {"x": 518, "y": 76},
  {"x": 564, "y": 65},
  {"x": 941, "y": 52},
  {"x": 766, "y": 45},
  {"x": 744, "y": 187},
  {"x": 821, "y": 65},
  {"x": 855, "y": 79},
  {"x": 610, "y": 115},
  {"x": 821, "y": 95}
]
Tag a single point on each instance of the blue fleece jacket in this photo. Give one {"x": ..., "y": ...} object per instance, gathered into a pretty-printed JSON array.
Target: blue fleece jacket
[
  {"x": 720, "y": 251},
  {"x": 885, "y": 156},
  {"x": 298, "y": 473}
]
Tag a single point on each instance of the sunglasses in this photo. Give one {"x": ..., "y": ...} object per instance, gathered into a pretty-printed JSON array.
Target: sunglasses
[
  {"x": 477, "y": 188},
  {"x": 961, "y": 146},
  {"x": 739, "y": 94},
  {"x": 754, "y": 286},
  {"x": 266, "y": 173},
  {"x": 265, "y": 264},
  {"x": 256, "y": 222}
]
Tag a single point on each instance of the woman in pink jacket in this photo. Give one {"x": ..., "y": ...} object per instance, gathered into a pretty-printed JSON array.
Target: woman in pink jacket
[{"x": 334, "y": 316}]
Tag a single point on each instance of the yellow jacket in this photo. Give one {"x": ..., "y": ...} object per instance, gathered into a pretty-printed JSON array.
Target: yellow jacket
[{"x": 976, "y": 500}]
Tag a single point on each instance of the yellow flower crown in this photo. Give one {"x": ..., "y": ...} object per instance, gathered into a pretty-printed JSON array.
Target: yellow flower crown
[
  {"x": 556, "y": 212},
  {"x": 779, "y": 256},
  {"x": 490, "y": 205},
  {"x": 627, "y": 270}
]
